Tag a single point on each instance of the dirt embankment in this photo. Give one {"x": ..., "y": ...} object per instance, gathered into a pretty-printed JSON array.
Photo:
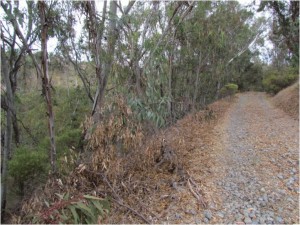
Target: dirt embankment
[{"x": 288, "y": 100}]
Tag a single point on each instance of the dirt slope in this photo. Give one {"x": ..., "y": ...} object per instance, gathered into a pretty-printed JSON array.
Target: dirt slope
[
  {"x": 288, "y": 100},
  {"x": 241, "y": 161}
]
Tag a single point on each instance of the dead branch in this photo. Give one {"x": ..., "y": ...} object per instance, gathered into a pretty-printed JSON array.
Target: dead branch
[
  {"x": 119, "y": 201},
  {"x": 133, "y": 210},
  {"x": 196, "y": 193}
]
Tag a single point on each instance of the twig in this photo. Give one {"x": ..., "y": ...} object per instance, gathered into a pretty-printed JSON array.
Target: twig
[
  {"x": 133, "y": 210},
  {"x": 192, "y": 191},
  {"x": 113, "y": 190},
  {"x": 119, "y": 198},
  {"x": 146, "y": 208},
  {"x": 196, "y": 193}
]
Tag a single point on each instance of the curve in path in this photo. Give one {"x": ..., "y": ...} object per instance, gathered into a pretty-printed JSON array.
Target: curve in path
[{"x": 256, "y": 171}]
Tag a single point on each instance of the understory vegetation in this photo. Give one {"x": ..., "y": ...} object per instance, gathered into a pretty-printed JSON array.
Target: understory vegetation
[{"x": 83, "y": 125}]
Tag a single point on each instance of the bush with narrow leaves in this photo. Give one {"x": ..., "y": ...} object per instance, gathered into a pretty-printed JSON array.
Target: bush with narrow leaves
[
  {"x": 229, "y": 90},
  {"x": 85, "y": 209}
]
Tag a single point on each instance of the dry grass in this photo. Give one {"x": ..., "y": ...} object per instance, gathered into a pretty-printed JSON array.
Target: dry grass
[{"x": 288, "y": 100}]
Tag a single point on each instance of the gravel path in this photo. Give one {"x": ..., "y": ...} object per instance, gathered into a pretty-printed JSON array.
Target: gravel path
[{"x": 255, "y": 179}]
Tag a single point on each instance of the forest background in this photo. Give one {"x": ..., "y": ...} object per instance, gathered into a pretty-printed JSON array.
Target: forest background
[{"x": 135, "y": 68}]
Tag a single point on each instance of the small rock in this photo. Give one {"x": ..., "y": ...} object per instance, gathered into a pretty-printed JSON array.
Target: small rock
[
  {"x": 279, "y": 220},
  {"x": 205, "y": 220},
  {"x": 252, "y": 215},
  {"x": 280, "y": 176},
  {"x": 247, "y": 220},
  {"x": 178, "y": 216},
  {"x": 273, "y": 160},
  {"x": 207, "y": 214},
  {"x": 291, "y": 180},
  {"x": 197, "y": 221},
  {"x": 261, "y": 220},
  {"x": 191, "y": 211},
  {"x": 265, "y": 197},
  {"x": 262, "y": 204},
  {"x": 271, "y": 213},
  {"x": 262, "y": 190},
  {"x": 220, "y": 214},
  {"x": 239, "y": 217}
]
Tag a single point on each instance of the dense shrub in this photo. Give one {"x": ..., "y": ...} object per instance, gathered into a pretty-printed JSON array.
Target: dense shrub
[
  {"x": 274, "y": 80},
  {"x": 228, "y": 90},
  {"x": 28, "y": 166}
]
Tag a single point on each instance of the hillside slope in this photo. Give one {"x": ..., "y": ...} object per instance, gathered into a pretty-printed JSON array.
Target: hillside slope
[
  {"x": 288, "y": 100},
  {"x": 234, "y": 162}
]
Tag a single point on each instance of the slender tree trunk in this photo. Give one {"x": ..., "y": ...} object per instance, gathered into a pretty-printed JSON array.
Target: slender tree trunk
[
  {"x": 104, "y": 73},
  {"x": 46, "y": 84},
  {"x": 96, "y": 36},
  {"x": 196, "y": 86},
  {"x": 170, "y": 85},
  {"x": 137, "y": 72},
  {"x": 8, "y": 133}
]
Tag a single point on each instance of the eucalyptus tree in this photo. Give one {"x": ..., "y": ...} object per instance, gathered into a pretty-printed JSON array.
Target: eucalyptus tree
[
  {"x": 214, "y": 36},
  {"x": 285, "y": 27},
  {"x": 13, "y": 51},
  {"x": 43, "y": 27},
  {"x": 100, "y": 48}
]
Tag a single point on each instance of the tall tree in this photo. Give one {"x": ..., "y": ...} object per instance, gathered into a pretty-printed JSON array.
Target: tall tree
[
  {"x": 285, "y": 24},
  {"x": 8, "y": 132},
  {"x": 42, "y": 72},
  {"x": 46, "y": 83},
  {"x": 12, "y": 57}
]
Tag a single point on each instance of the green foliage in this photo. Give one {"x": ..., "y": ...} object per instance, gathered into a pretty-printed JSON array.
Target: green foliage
[
  {"x": 251, "y": 78},
  {"x": 274, "y": 80},
  {"x": 156, "y": 114},
  {"x": 71, "y": 106},
  {"x": 229, "y": 89},
  {"x": 27, "y": 165},
  {"x": 85, "y": 209},
  {"x": 68, "y": 139}
]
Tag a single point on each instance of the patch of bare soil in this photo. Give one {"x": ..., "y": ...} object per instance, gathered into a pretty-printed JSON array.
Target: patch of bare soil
[{"x": 288, "y": 100}]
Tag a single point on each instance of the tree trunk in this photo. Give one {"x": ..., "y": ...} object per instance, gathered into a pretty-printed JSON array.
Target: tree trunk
[
  {"x": 8, "y": 133},
  {"x": 170, "y": 85},
  {"x": 104, "y": 73},
  {"x": 46, "y": 84},
  {"x": 196, "y": 86},
  {"x": 138, "y": 72}
]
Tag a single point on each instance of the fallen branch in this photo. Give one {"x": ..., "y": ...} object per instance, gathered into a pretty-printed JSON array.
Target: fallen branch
[
  {"x": 133, "y": 210},
  {"x": 196, "y": 193},
  {"x": 119, "y": 198}
]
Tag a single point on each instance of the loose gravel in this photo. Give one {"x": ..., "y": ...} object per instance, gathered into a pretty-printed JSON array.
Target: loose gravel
[{"x": 255, "y": 179}]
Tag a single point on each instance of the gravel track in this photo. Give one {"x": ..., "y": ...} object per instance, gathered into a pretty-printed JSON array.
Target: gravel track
[{"x": 255, "y": 179}]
